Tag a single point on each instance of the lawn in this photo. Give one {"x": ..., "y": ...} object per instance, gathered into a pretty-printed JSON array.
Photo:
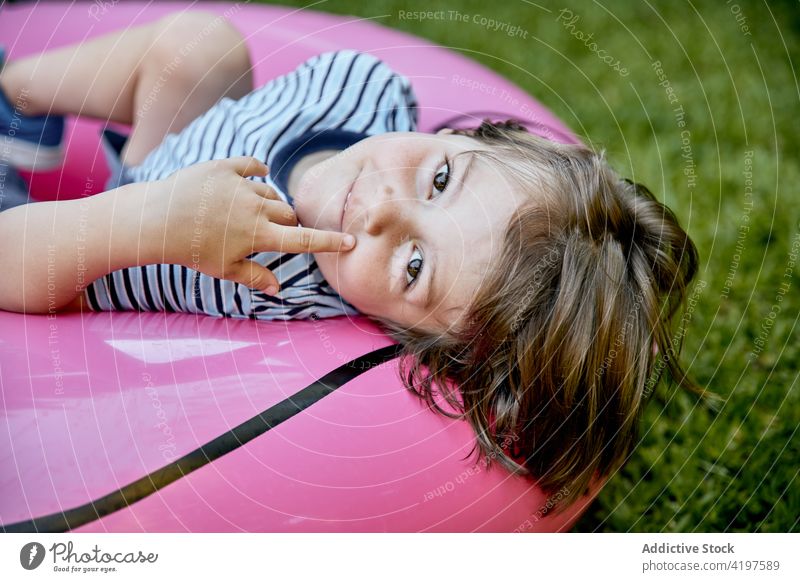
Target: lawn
[{"x": 710, "y": 131}]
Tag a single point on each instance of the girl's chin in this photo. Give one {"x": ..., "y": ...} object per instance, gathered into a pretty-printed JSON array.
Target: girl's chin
[
  {"x": 306, "y": 207},
  {"x": 309, "y": 218},
  {"x": 312, "y": 213},
  {"x": 303, "y": 210}
]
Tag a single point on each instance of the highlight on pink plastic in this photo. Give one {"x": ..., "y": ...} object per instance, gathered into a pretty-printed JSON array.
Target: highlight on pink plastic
[{"x": 144, "y": 407}]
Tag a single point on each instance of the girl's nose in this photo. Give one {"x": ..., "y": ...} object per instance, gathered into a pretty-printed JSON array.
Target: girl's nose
[{"x": 385, "y": 213}]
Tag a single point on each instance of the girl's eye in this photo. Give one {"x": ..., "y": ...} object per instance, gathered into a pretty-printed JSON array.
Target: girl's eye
[
  {"x": 414, "y": 267},
  {"x": 440, "y": 180},
  {"x": 442, "y": 177}
]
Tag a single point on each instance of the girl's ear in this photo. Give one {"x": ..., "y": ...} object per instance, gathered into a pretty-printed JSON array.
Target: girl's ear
[{"x": 451, "y": 131}]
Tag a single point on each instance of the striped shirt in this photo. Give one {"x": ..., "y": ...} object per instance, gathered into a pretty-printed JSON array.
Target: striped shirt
[{"x": 345, "y": 90}]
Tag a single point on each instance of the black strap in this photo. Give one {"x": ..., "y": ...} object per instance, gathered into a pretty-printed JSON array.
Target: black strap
[{"x": 214, "y": 449}]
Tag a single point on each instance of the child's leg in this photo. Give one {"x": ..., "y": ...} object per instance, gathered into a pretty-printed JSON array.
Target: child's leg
[{"x": 157, "y": 77}]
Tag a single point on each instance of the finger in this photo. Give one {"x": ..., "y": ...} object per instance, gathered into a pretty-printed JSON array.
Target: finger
[
  {"x": 247, "y": 166},
  {"x": 278, "y": 212},
  {"x": 309, "y": 240},
  {"x": 253, "y": 275},
  {"x": 265, "y": 190}
]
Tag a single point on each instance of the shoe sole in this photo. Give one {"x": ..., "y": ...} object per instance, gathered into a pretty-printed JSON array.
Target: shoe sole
[{"x": 33, "y": 158}]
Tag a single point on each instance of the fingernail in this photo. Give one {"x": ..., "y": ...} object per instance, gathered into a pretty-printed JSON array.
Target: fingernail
[
  {"x": 349, "y": 240},
  {"x": 271, "y": 290}
]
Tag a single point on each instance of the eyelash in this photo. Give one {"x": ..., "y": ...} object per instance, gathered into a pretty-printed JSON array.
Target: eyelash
[
  {"x": 445, "y": 163},
  {"x": 448, "y": 174}
]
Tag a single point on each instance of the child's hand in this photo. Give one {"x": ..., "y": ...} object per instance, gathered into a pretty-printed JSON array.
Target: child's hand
[{"x": 214, "y": 218}]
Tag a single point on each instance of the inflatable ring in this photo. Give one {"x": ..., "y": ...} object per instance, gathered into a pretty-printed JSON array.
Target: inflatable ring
[{"x": 171, "y": 422}]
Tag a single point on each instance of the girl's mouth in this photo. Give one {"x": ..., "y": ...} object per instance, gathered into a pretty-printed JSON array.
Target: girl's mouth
[
  {"x": 346, "y": 201},
  {"x": 344, "y": 209}
]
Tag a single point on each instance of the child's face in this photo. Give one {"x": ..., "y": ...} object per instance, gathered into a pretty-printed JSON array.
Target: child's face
[{"x": 424, "y": 238}]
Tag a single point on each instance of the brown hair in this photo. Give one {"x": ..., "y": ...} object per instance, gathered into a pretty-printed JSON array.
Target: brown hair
[{"x": 557, "y": 353}]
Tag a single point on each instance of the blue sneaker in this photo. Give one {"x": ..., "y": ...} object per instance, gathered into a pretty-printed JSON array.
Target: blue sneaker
[
  {"x": 13, "y": 189},
  {"x": 29, "y": 142}
]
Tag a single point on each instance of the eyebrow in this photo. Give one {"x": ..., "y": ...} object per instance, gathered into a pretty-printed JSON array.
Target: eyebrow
[{"x": 434, "y": 293}]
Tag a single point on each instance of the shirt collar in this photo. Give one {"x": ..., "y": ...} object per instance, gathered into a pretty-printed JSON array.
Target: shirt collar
[{"x": 286, "y": 157}]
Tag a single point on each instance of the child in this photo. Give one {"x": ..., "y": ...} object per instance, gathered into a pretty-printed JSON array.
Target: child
[{"x": 529, "y": 284}]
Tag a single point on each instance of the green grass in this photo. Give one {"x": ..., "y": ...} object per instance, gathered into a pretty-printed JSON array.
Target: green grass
[{"x": 734, "y": 468}]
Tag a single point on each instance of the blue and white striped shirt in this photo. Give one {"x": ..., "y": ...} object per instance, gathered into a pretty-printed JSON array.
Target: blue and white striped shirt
[{"x": 345, "y": 90}]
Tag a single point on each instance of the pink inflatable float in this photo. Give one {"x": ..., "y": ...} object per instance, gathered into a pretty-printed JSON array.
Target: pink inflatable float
[{"x": 172, "y": 422}]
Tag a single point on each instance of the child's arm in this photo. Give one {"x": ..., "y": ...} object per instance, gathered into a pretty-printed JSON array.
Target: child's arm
[
  {"x": 50, "y": 251},
  {"x": 206, "y": 216}
]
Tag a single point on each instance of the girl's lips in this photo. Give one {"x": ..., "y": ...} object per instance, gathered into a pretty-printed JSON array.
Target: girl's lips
[
  {"x": 346, "y": 200},
  {"x": 344, "y": 209}
]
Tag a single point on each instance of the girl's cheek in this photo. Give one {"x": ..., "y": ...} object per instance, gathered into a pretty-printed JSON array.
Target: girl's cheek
[
  {"x": 353, "y": 276},
  {"x": 351, "y": 273},
  {"x": 343, "y": 271},
  {"x": 358, "y": 278}
]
